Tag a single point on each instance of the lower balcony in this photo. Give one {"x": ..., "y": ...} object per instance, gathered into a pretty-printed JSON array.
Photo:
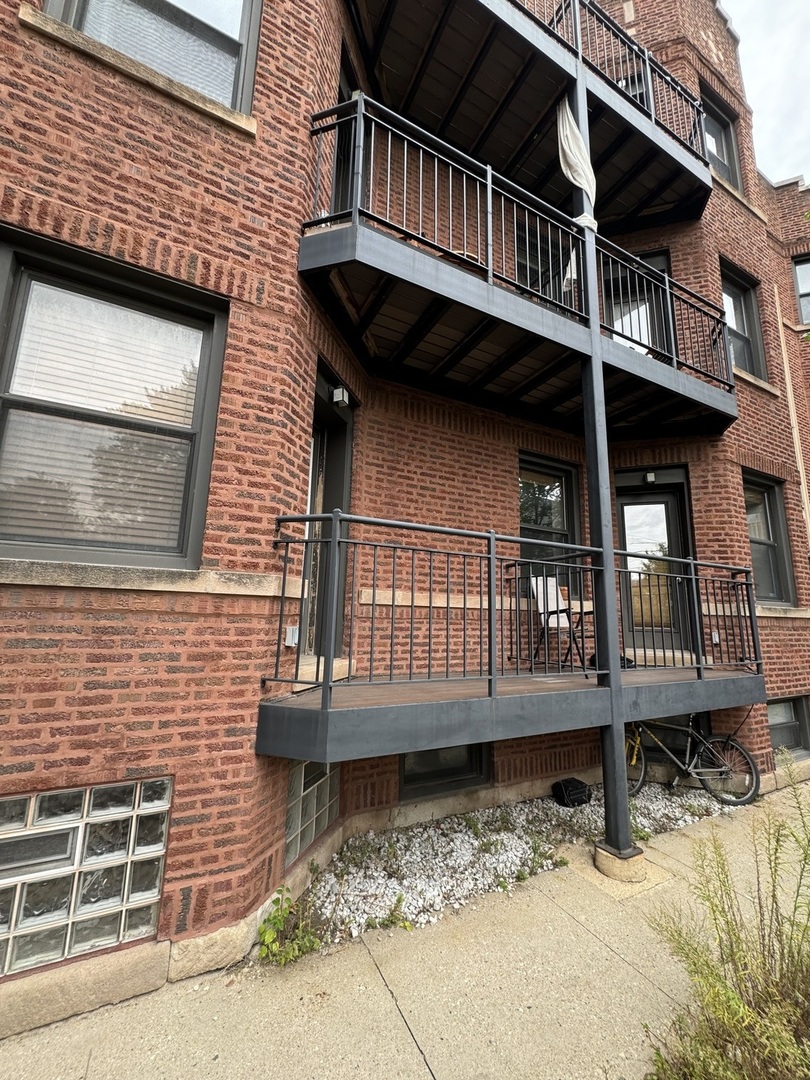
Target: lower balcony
[{"x": 393, "y": 637}]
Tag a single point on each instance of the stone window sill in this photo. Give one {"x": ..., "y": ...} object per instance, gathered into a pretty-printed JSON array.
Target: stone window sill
[
  {"x": 753, "y": 380},
  {"x": 53, "y": 28}
]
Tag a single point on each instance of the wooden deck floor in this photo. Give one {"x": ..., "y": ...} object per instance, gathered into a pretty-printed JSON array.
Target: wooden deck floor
[{"x": 368, "y": 695}]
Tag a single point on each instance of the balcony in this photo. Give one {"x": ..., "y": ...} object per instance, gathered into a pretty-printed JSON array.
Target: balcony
[
  {"x": 486, "y": 76},
  {"x": 447, "y": 277},
  {"x": 399, "y": 636}
]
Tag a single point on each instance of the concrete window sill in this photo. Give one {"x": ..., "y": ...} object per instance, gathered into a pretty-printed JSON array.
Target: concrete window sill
[
  {"x": 753, "y": 380},
  {"x": 53, "y": 28}
]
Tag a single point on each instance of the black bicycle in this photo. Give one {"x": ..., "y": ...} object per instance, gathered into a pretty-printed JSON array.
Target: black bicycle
[{"x": 724, "y": 767}]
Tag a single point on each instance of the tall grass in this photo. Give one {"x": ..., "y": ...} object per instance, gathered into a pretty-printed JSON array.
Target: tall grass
[{"x": 747, "y": 953}]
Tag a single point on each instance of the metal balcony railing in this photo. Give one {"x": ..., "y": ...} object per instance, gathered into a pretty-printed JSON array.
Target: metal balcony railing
[
  {"x": 607, "y": 47},
  {"x": 653, "y": 313},
  {"x": 679, "y": 613},
  {"x": 373, "y": 164},
  {"x": 366, "y": 600}
]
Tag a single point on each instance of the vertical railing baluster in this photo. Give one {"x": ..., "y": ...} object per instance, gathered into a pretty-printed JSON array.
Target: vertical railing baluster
[
  {"x": 694, "y": 603},
  {"x": 492, "y": 570},
  {"x": 373, "y": 611},
  {"x": 359, "y": 139},
  {"x": 490, "y": 256},
  {"x": 413, "y": 611},
  {"x": 353, "y": 620},
  {"x": 430, "y": 614},
  {"x": 331, "y": 614},
  {"x": 392, "y": 648}
]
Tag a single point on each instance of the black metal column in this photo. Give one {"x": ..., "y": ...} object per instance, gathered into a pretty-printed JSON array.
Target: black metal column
[{"x": 617, "y": 808}]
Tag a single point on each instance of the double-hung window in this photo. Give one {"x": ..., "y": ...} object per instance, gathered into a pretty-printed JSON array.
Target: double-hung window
[
  {"x": 742, "y": 317},
  {"x": 207, "y": 45},
  {"x": 803, "y": 289},
  {"x": 721, "y": 145},
  {"x": 106, "y": 418},
  {"x": 767, "y": 531}
]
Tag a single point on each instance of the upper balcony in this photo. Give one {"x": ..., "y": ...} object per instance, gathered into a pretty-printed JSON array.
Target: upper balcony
[
  {"x": 445, "y": 276},
  {"x": 400, "y": 636},
  {"x": 486, "y": 76}
]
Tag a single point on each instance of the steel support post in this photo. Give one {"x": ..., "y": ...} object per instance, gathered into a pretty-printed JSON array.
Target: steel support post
[{"x": 617, "y": 807}]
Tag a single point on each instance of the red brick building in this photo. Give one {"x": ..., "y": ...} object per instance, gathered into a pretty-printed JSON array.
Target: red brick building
[{"x": 264, "y": 260}]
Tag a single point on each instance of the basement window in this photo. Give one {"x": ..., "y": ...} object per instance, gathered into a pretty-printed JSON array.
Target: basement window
[
  {"x": 434, "y": 772},
  {"x": 207, "y": 45},
  {"x": 80, "y": 870},
  {"x": 788, "y": 721},
  {"x": 313, "y": 802}
]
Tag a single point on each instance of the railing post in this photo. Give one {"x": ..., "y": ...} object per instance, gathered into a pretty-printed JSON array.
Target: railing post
[
  {"x": 670, "y": 321},
  {"x": 359, "y": 151},
  {"x": 331, "y": 613},
  {"x": 649, "y": 87},
  {"x": 492, "y": 595},
  {"x": 696, "y": 619},
  {"x": 490, "y": 268},
  {"x": 752, "y": 619},
  {"x": 576, "y": 25},
  {"x": 728, "y": 363},
  {"x": 701, "y": 130}
]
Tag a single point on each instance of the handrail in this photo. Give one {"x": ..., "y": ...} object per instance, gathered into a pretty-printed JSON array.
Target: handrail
[
  {"x": 635, "y": 71},
  {"x": 442, "y": 530},
  {"x": 653, "y": 273}
]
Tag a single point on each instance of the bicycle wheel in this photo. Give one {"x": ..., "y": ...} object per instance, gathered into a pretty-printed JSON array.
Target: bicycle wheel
[
  {"x": 636, "y": 763},
  {"x": 727, "y": 771}
]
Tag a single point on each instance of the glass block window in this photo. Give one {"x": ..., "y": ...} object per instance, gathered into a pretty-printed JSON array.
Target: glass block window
[
  {"x": 313, "y": 801},
  {"x": 80, "y": 870}
]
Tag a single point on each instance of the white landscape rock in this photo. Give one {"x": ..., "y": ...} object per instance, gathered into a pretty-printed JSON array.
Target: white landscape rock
[{"x": 411, "y": 875}]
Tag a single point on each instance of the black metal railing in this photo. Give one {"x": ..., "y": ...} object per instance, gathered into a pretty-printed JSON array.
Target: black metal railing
[
  {"x": 366, "y": 600},
  {"x": 679, "y": 613},
  {"x": 374, "y": 164},
  {"x": 655, "y": 314},
  {"x": 606, "y": 46}
]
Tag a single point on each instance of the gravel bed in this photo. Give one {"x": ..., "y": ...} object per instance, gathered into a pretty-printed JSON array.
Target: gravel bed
[{"x": 410, "y": 876}]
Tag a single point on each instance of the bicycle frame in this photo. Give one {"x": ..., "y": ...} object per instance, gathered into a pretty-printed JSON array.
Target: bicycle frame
[{"x": 687, "y": 766}]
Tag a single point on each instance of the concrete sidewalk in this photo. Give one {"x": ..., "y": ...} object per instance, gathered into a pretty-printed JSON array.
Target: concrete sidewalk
[{"x": 555, "y": 982}]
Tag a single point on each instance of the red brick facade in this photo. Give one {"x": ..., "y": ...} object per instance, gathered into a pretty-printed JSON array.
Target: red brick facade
[{"x": 138, "y": 676}]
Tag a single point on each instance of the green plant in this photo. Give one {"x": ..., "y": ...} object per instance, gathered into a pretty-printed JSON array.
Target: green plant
[
  {"x": 286, "y": 933},
  {"x": 473, "y": 824},
  {"x": 749, "y": 963},
  {"x": 522, "y": 874},
  {"x": 314, "y": 867},
  {"x": 394, "y": 916},
  {"x": 489, "y": 845}
]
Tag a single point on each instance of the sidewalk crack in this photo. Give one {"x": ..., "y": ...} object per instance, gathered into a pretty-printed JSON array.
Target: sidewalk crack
[{"x": 399, "y": 1010}]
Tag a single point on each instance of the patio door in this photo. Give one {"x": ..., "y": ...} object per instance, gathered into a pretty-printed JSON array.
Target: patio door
[{"x": 654, "y": 594}]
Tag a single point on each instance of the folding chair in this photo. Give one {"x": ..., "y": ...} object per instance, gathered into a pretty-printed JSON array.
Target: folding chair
[{"x": 553, "y": 613}]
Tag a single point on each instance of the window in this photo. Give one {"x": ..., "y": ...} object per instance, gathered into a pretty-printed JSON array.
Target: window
[
  {"x": 788, "y": 722},
  {"x": 313, "y": 802},
  {"x": 803, "y": 290},
  {"x": 742, "y": 316},
  {"x": 767, "y": 531},
  {"x": 721, "y": 145},
  {"x": 80, "y": 870},
  {"x": 208, "y": 45},
  {"x": 548, "y": 504},
  {"x": 106, "y": 418},
  {"x": 432, "y": 772}
]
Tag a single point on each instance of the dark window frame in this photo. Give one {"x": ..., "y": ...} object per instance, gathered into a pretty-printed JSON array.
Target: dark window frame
[
  {"x": 778, "y": 544},
  {"x": 801, "y": 719},
  {"x": 736, "y": 281},
  {"x": 802, "y": 298},
  {"x": 73, "y": 13},
  {"x": 569, "y": 475},
  {"x": 716, "y": 111},
  {"x": 479, "y": 775},
  {"x": 25, "y": 259}
]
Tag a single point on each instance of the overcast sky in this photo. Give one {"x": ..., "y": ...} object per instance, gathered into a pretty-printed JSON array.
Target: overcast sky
[{"x": 775, "y": 58}]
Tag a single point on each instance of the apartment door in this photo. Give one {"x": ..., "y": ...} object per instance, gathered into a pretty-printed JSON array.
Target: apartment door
[
  {"x": 329, "y": 488},
  {"x": 654, "y": 593}
]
